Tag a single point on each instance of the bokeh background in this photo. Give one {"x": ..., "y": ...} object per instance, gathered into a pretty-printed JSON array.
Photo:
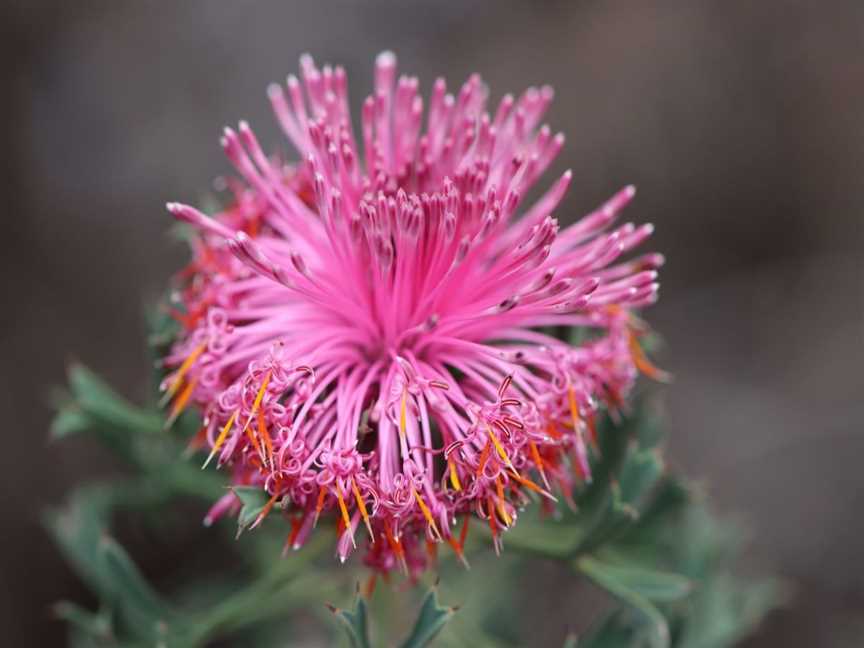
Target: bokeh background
[{"x": 742, "y": 124}]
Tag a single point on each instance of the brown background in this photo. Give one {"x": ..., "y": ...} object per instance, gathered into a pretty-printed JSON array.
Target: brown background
[{"x": 741, "y": 123}]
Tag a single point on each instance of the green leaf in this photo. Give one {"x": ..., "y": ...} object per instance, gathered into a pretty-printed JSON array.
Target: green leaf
[
  {"x": 96, "y": 626},
  {"x": 640, "y": 472},
  {"x": 125, "y": 581},
  {"x": 654, "y": 585},
  {"x": 98, "y": 400},
  {"x": 69, "y": 421},
  {"x": 94, "y": 408},
  {"x": 619, "y": 511},
  {"x": 253, "y": 500},
  {"x": 652, "y": 624},
  {"x": 143, "y": 611},
  {"x": 78, "y": 527},
  {"x": 355, "y": 622},
  {"x": 544, "y": 536},
  {"x": 432, "y": 618}
]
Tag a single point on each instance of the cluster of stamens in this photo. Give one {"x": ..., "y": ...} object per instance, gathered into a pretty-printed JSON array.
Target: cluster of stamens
[{"x": 369, "y": 337}]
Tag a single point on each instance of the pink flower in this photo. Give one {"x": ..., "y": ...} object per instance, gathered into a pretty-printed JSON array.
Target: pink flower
[{"x": 367, "y": 332}]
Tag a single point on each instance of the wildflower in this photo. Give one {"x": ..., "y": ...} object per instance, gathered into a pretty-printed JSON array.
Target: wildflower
[{"x": 366, "y": 332}]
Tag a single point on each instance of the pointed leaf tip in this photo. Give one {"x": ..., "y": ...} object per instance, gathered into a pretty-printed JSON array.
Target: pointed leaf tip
[{"x": 430, "y": 621}]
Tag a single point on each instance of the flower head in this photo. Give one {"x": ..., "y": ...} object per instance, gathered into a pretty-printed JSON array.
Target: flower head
[{"x": 367, "y": 332}]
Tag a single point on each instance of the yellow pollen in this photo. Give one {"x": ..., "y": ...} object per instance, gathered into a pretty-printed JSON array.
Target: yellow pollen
[
  {"x": 403, "y": 413},
  {"x": 426, "y": 512},
  {"x": 180, "y": 403},
  {"x": 501, "y": 508},
  {"x": 362, "y": 506},
  {"x": 258, "y": 398},
  {"x": 499, "y": 448},
  {"x": 454, "y": 476},
  {"x": 182, "y": 371},
  {"x": 221, "y": 438}
]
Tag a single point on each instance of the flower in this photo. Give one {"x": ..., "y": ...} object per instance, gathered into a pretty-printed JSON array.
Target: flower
[{"x": 367, "y": 333}]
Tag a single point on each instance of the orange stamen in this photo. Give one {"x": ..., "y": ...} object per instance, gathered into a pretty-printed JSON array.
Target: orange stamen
[
  {"x": 538, "y": 461},
  {"x": 296, "y": 525},
  {"x": 362, "y": 506},
  {"x": 180, "y": 403},
  {"x": 181, "y": 372},
  {"x": 642, "y": 362},
  {"x": 574, "y": 408},
  {"x": 322, "y": 493},
  {"x": 530, "y": 485},
  {"x": 254, "y": 440},
  {"x": 577, "y": 419},
  {"x": 426, "y": 512},
  {"x": 346, "y": 519},
  {"x": 197, "y": 441},
  {"x": 396, "y": 547},
  {"x": 370, "y": 584},
  {"x": 458, "y": 546},
  {"x": 500, "y": 503},
  {"x": 262, "y": 432},
  {"x": 464, "y": 533},
  {"x": 264, "y": 511},
  {"x": 258, "y": 398},
  {"x": 484, "y": 457},
  {"x": 221, "y": 438}
]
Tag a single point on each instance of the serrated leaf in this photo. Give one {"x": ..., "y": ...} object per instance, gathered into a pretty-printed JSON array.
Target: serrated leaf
[
  {"x": 652, "y": 624},
  {"x": 355, "y": 622},
  {"x": 432, "y": 618}
]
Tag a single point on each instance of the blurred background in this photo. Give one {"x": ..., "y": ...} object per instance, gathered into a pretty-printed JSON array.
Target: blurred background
[{"x": 741, "y": 123}]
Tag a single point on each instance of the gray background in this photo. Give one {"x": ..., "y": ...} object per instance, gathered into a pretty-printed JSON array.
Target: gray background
[{"x": 741, "y": 123}]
